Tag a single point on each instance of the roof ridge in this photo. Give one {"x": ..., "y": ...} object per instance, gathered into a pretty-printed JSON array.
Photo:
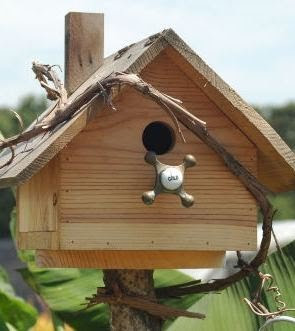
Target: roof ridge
[{"x": 276, "y": 157}]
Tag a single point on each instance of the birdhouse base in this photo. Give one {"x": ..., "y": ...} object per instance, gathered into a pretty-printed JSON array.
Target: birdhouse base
[{"x": 130, "y": 259}]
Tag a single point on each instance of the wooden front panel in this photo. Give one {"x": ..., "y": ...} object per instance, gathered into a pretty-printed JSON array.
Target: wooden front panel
[
  {"x": 37, "y": 200},
  {"x": 103, "y": 175},
  {"x": 37, "y": 209},
  {"x": 129, "y": 259}
]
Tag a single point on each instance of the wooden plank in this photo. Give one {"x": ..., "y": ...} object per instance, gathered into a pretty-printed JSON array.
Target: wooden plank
[
  {"x": 84, "y": 47},
  {"x": 278, "y": 156},
  {"x": 151, "y": 211},
  {"x": 276, "y": 168},
  {"x": 43, "y": 148},
  {"x": 110, "y": 236},
  {"x": 153, "y": 219},
  {"x": 41, "y": 240},
  {"x": 102, "y": 180},
  {"x": 37, "y": 201},
  {"x": 130, "y": 259},
  {"x": 269, "y": 169}
]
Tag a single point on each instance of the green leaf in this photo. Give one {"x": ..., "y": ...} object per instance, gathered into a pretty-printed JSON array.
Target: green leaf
[
  {"x": 58, "y": 324},
  {"x": 3, "y": 326},
  {"x": 64, "y": 290},
  {"x": 5, "y": 286},
  {"x": 15, "y": 313},
  {"x": 27, "y": 256},
  {"x": 163, "y": 278},
  {"x": 226, "y": 311}
]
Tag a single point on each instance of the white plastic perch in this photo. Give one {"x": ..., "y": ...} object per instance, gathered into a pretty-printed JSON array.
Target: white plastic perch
[{"x": 271, "y": 321}]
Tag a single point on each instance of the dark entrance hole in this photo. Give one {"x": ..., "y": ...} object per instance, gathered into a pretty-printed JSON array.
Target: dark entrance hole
[{"x": 158, "y": 137}]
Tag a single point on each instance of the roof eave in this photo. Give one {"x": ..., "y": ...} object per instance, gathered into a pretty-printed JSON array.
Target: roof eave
[{"x": 243, "y": 115}]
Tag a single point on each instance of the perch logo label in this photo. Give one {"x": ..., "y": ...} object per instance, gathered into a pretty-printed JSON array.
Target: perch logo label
[{"x": 171, "y": 178}]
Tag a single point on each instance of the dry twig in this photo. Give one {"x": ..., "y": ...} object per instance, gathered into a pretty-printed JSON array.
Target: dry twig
[
  {"x": 258, "y": 308},
  {"x": 140, "y": 303}
]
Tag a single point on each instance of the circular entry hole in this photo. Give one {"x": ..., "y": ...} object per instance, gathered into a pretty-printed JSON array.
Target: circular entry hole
[{"x": 158, "y": 137}]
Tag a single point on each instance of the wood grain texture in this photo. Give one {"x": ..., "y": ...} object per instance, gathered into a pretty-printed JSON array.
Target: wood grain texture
[
  {"x": 37, "y": 200},
  {"x": 276, "y": 160},
  {"x": 41, "y": 240},
  {"x": 43, "y": 148},
  {"x": 84, "y": 47},
  {"x": 130, "y": 259},
  {"x": 103, "y": 173},
  {"x": 142, "y": 236}
]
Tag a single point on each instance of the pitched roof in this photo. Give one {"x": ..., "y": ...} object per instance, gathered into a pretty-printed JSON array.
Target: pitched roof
[{"x": 276, "y": 168}]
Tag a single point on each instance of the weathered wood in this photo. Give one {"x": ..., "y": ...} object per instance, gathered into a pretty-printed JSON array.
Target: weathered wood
[
  {"x": 84, "y": 47},
  {"x": 41, "y": 149},
  {"x": 130, "y": 259}
]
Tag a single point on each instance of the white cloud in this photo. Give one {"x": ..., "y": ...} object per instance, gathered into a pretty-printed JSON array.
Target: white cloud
[{"x": 249, "y": 43}]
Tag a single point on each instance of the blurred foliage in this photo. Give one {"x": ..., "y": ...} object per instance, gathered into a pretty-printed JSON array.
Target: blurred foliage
[
  {"x": 282, "y": 119},
  {"x": 284, "y": 203},
  {"x": 48, "y": 322},
  {"x": 64, "y": 290},
  {"x": 7, "y": 202},
  {"x": 15, "y": 313},
  {"x": 226, "y": 311},
  {"x": 28, "y": 108}
]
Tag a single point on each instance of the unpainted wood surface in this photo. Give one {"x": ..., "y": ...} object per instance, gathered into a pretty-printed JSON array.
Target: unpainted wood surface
[
  {"x": 32, "y": 156},
  {"x": 276, "y": 160},
  {"x": 84, "y": 47},
  {"x": 37, "y": 201},
  {"x": 103, "y": 173},
  {"x": 38, "y": 239},
  {"x": 130, "y": 259},
  {"x": 144, "y": 236}
]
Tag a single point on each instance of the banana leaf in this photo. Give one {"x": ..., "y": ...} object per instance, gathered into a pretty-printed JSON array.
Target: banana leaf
[
  {"x": 15, "y": 313},
  {"x": 227, "y": 311},
  {"x": 64, "y": 291}
]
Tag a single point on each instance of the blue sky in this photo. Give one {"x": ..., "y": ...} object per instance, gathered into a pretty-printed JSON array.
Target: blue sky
[{"x": 250, "y": 44}]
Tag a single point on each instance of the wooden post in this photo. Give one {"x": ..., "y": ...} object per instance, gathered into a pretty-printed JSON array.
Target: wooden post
[
  {"x": 83, "y": 56},
  {"x": 132, "y": 282},
  {"x": 84, "y": 47}
]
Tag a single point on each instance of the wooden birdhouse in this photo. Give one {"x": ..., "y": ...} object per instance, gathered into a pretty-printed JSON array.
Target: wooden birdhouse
[{"x": 90, "y": 194}]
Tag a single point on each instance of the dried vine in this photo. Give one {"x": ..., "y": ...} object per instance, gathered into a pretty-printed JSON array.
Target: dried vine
[
  {"x": 117, "y": 297},
  {"x": 258, "y": 308},
  {"x": 65, "y": 109}
]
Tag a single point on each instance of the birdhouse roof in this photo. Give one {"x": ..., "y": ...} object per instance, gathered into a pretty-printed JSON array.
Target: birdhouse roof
[{"x": 276, "y": 161}]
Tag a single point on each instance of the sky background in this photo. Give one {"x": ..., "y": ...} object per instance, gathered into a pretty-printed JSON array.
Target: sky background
[{"x": 250, "y": 44}]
